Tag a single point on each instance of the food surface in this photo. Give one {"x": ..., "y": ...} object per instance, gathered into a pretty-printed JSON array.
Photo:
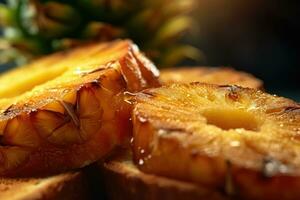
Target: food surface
[
  {"x": 240, "y": 141},
  {"x": 124, "y": 181},
  {"x": 67, "y": 110},
  {"x": 68, "y": 186},
  {"x": 219, "y": 75},
  {"x": 97, "y": 119}
]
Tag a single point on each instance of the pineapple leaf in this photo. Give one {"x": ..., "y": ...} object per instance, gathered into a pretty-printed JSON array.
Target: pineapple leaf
[{"x": 37, "y": 27}]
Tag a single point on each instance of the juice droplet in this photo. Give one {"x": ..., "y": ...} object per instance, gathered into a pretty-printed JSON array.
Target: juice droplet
[
  {"x": 141, "y": 161},
  {"x": 131, "y": 140}
]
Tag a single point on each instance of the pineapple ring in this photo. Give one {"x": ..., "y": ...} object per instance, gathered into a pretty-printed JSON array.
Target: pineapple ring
[
  {"x": 242, "y": 141},
  {"x": 57, "y": 123},
  {"x": 220, "y": 76}
]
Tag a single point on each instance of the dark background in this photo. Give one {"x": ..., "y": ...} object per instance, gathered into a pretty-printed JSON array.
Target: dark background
[{"x": 258, "y": 36}]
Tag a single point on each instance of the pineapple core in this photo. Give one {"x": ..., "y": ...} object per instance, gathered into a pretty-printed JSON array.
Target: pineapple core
[{"x": 231, "y": 119}]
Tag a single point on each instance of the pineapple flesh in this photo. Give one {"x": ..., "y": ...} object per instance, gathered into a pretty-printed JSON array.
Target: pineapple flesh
[
  {"x": 68, "y": 110},
  {"x": 241, "y": 141},
  {"x": 220, "y": 76}
]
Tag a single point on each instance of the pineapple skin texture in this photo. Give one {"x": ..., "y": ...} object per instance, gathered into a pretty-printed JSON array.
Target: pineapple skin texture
[
  {"x": 182, "y": 131},
  {"x": 217, "y": 75},
  {"x": 74, "y": 119}
]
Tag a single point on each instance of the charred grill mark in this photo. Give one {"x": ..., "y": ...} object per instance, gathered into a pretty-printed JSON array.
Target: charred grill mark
[
  {"x": 5, "y": 145},
  {"x": 231, "y": 88},
  {"x": 292, "y": 109},
  {"x": 195, "y": 83},
  {"x": 274, "y": 110},
  {"x": 95, "y": 84},
  {"x": 149, "y": 94},
  {"x": 8, "y": 110},
  {"x": 225, "y": 86},
  {"x": 284, "y": 109}
]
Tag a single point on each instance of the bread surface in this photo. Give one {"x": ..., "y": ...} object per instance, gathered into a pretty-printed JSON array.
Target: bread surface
[
  {"x": 124, "y": 181},
  {"x": 67, "y": 186}
]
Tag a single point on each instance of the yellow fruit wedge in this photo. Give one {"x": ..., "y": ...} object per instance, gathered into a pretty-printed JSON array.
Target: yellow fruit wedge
[{"x": 67, "y": 110}]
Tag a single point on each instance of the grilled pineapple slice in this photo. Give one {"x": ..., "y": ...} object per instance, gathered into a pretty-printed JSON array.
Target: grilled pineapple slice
[
  {"x": 220, "y": 76},
  {"x": 67, "y": 110},
  {"x": 242, "y": 141}
]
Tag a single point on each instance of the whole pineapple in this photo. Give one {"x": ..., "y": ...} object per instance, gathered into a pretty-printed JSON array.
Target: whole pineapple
[{"x": 35, "y": 27}]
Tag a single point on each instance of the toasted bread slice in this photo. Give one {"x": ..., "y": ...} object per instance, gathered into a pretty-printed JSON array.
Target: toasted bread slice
[
  {"x": 240, "y": 140},
  {"x": 67, "y": 110},
  {"x": 68, "y": 186},
  {"x": 212, "y": 75},
  {"x": 124, "y": 181}
]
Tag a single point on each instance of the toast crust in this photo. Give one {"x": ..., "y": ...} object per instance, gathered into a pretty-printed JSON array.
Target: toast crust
[
  {"x": 124, "y": 181},
  {"x": 68, "y": 186}
]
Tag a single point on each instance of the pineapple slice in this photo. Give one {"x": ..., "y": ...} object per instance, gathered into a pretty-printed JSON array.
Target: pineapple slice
[
  {"x": 242, "y": 141},
  {"x": 67, "y": 110},
  {"x": 220, "y": 76}
]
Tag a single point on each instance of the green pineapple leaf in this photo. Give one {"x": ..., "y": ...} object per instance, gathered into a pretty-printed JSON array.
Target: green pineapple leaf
[{"x": 32, "y": 28}]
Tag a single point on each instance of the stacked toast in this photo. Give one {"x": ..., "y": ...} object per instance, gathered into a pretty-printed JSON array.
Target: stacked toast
[{"x": 184, "y": 133}]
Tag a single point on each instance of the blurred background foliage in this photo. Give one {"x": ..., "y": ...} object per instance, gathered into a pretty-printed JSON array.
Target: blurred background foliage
[
  {"x": 32, "y": 28},
  {"x": 258, "y": 36}
]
